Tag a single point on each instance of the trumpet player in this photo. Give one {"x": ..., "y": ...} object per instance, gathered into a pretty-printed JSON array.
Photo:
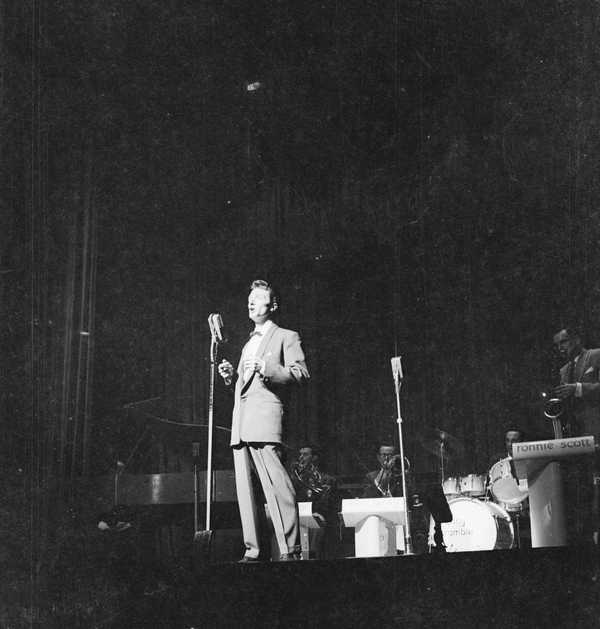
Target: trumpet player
[{"x": 387, "y": 480}]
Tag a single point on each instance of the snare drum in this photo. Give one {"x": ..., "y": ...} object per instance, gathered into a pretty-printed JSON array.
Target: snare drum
[
  {"x": 451, "y": 486},
  {"x": 472, "y": 485},
  {"x": 476, "y": 525},
  {"x": 504, "y": 486}
]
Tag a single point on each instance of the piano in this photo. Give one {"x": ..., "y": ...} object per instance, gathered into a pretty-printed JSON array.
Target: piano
[{"x": 161, "y": 495}]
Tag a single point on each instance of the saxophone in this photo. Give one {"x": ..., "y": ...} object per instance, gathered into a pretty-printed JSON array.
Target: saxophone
[{"x": 311, "y": 479}]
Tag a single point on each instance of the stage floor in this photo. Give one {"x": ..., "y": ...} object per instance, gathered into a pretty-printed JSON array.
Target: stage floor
[{"x": 534, "y": 588}]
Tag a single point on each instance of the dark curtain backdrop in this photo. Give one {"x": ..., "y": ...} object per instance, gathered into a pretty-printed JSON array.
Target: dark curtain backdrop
[{"x": 418, "y": 178}]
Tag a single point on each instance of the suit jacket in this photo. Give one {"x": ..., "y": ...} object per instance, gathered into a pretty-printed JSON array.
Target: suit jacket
[
  {"x": 260, "y": 403},
  {"x": 370, "y": 489},
  {"x": 586, "y": 409}
]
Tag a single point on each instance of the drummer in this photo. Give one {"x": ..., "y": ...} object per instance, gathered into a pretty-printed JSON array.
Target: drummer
[
  {"x": 512, "y": 435},
  {"x": 519, "y": 514}
]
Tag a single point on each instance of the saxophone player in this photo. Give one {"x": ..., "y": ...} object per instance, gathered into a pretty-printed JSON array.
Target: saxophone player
[
  {"x": 310, "y": 483},
  {"x": 579, "y": 388},
  {"x": 313, "y": 485}
]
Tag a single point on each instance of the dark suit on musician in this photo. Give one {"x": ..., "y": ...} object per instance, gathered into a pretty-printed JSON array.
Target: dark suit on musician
[
  {"x": 375, "y": 487},
  {"x": 582, "y": 493},
  {"x": 256, "y": 436},
  {"x": 585, "y": 408}
]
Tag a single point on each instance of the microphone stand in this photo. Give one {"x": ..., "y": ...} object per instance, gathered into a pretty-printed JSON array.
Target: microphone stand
[
  {"x": 442, "y": 456},
  {"x": 397, "y": 373},
  {"x": 204, "y": 537}
]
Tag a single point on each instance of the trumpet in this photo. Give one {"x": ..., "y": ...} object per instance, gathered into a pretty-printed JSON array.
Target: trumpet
[{"x": 392, "y": 460}]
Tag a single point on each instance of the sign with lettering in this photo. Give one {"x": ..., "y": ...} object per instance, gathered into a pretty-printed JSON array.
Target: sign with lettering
[{"x": 553, "y": 448}]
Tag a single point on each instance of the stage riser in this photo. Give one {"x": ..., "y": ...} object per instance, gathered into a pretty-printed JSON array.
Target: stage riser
[{"x": 462, "y": 589}]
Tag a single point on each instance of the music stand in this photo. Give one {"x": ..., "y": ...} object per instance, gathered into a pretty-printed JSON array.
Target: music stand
[
  {"x": 374, "y": 521},
  {"x": 308, "y": 520}
]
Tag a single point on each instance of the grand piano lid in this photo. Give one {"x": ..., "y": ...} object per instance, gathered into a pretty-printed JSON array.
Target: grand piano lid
[{"x": 181, "y": 431}]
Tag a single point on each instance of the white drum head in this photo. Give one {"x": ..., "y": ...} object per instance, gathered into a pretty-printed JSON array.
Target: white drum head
[
  {"x": 474, "y": 525},
  {"x": 505, "y": 487}
]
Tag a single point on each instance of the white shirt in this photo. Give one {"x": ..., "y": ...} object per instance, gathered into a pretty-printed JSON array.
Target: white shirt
[
  {"x": 578, "y": 387},
  {"x": 251, "y": 348}
]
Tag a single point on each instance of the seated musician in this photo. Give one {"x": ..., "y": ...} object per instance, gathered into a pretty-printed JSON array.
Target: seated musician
[
  {"x": 387, "y": 482},
  {"x": 501, "y": 465},
  {"x": 513, "y": 434},
  {"x": 314, "y": 485}
]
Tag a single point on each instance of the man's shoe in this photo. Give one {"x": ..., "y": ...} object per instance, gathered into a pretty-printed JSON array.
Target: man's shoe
[
  {"x": 246, "y": 559},
  {"x": 290, "y": 557}
]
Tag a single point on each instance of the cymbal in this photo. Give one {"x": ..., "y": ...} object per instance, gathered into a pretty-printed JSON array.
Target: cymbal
[{"x": 441, "y": 443}]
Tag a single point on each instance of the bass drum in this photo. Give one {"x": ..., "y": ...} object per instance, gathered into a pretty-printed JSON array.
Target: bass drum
[{"x": 476, "y": 525}]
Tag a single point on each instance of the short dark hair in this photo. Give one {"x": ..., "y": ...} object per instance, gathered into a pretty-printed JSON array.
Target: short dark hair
[
  {"x": 515, "y": 429},
  {"x": 572, "y": 331},
  {"x": 273, "y": 296},
  {"x": 316, "y": 450}
]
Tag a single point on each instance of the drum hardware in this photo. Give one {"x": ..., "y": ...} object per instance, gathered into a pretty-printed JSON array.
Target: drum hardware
[
  {"x": 442, "y": 445},
  {"x": 446, "y": 448}
]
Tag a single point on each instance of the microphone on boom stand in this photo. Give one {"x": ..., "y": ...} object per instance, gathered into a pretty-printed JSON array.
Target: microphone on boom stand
[
  {"x": 215, "y": 322},
  {"x": 398, "y": 378}
]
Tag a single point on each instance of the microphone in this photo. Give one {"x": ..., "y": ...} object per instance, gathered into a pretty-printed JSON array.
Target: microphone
[
  {"x": 215, "y": 323},
  {"x": 397, "y": 368}
]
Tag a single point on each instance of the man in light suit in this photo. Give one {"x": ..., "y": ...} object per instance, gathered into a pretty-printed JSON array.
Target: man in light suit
[{"x": 270, "y": 362}]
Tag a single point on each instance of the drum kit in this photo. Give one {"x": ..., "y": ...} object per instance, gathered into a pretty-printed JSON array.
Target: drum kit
[{"x": 486, "y": 510}]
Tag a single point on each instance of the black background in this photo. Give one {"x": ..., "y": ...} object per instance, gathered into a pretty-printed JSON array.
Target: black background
[{"x": 418, "y": 179}]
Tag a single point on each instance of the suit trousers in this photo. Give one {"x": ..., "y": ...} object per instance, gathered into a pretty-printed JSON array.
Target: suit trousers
[{"x": 279, "y": 494}]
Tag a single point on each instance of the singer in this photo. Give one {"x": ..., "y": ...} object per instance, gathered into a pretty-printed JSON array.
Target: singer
[{"x": 270, "y": 362}]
